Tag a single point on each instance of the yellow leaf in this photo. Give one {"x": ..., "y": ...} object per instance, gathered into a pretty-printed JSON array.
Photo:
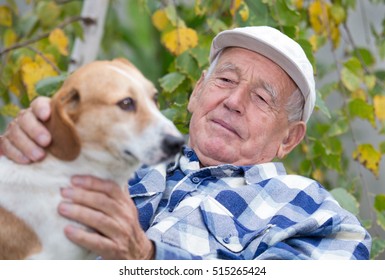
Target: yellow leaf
[
  {"x": 379, "y": 107},
  {"x": 318, "y": 175},
  {"x": 180, "y": 39},
  {"x": 10, "y": 110},
  {"x": 298, "y": 4},
  {"x": 10, "y": 37},
  {"x": 318, "y": 13},
  {"x": 33, "y": 71},
  {"x": 313, "y": 40},
  {"x": 199, "y": 9},
  {"x": 368, "y": 157},
  {"x": 14, "y": 89},
  {"x": 16, "y": 84},
  {"x": 305, "y": 148},
  {"x": 5, "y": 16},
  {"x": 160, "y": 20},
  {"x": 359, "y": 94},
  {"x": 60, "y": 40},
  {"x": 335, "y": 35},
  {"x": 235, "y": 6},
  {"x": 244, "y": 12}
]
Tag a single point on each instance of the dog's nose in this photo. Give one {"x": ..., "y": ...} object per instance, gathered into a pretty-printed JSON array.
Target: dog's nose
[{"x": 171, "y": 144}]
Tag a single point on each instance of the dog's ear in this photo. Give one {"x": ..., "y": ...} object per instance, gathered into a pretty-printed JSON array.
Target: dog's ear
[{"x": 65, "y": 143}]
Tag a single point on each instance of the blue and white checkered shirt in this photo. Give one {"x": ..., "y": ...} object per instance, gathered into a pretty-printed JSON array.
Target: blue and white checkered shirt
[{"x": 242, "y": 212}]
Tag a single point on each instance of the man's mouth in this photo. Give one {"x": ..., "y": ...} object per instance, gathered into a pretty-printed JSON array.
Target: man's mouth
[{"x": 226, "y": 126}]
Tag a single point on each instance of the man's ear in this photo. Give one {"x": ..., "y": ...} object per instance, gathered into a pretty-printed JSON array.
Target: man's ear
[
  {"x": 295, "y": 134},
  {"x": 65, "y": 143},
  {"x": 193, "y": 100}
]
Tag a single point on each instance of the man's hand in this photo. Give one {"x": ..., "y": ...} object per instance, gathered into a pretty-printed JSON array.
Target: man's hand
[
  {"x": 105, "y": 207},
  {"x": 26, "y": 136}
]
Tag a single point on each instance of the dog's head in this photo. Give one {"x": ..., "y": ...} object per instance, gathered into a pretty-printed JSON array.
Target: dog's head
[{"x": 109, "y": 106}]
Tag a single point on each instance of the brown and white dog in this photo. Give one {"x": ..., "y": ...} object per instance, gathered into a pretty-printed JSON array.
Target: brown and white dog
[{"x": 104, "y": 122}]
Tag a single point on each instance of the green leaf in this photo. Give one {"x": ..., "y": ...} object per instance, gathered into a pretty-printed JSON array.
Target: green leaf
[
  {"x": 305, "y": 167},
  {"x": 201, "y": 56},
  {"x": 47, "y": 12},
  {"x": 354, "y": 65},
  {"x": 379, "y": 206},
  {"x": 370, "y": 81},
  {"x": 381, "y": 50},
  {"x": 333, "y": 162},
  {"x": 216, "y": 25},
  {"x": 171, "y": 81},
  {"x": 259, "y": 14},
  {"x": 187, "y": 65},
  {"x": 366, "y": 56},
  {"x": 319, "y": 149},
  {"x": 172, "y": 15},
  {"x": 382, "y": 147},
  {"x": 378, "y": 247},
  {"x": 367, "y": 223},
  {"x": 283, "y": 14},
  {"x": 339, "y": 127},
  {"x": 346, "y": 200},
  {"x": 350, "y": 80},
  {"x": 333, "y": 146},
  {"x": 26, "y": 25},
  {"x": 321, "y": 105},
  {"x": 50, "y": 85},
  {"x": 338, "y": 13},
  {"x": 3, "y": 124},
  {"x": 178, "y": 114},
  {"x": 379, "y": 202},
  {"x": 381, "y": 219},
  {"x": 359, "y": 108},
  {"x": 306, "y": 46}
]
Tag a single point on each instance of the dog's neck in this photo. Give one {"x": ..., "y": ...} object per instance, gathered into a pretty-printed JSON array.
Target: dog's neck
[{"x": 90, "y": 162}]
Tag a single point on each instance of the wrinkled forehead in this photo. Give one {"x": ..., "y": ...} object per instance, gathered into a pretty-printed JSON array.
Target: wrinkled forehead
[{"x": 262, "y": 70}]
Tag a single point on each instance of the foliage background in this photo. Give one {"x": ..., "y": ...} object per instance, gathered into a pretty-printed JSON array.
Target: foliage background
[{"x": 169, "y": 41}]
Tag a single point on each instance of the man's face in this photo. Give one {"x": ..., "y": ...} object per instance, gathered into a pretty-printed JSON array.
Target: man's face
[{"x": 238, "y": 112}]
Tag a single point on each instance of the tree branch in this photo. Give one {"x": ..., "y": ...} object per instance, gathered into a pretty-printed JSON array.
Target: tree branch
[
  {"x": 86, "y": 21},
  {"x": 46, "y": 59}
]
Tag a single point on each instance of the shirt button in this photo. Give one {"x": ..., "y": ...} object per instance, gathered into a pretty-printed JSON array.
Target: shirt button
[
  {"x": 195, "y": 180},
  {"x": 189, "y": 154},
  {"x": 226, "y": 240}
]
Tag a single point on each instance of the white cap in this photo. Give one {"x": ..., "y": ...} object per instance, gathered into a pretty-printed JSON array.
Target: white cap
[{"x": 279, "y": 48}]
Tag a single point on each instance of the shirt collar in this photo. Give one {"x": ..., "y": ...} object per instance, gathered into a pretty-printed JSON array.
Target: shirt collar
[{"x": 189, "y": 162}]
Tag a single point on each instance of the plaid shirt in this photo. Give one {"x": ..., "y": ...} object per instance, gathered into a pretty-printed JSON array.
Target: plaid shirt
[{"x": 242, "y": 212}]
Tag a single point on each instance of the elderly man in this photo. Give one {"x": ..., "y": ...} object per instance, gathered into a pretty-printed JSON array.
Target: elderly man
[{"x": 224, "y": 197}]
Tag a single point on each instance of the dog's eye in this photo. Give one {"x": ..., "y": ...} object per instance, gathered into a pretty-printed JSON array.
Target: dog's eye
[
  {"x": 127, "y": 104},
  {"x": 155, "y": 98}
]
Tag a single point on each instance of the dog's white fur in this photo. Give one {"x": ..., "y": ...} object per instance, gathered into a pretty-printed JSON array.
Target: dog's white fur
[{"x": 109, "y": 141}]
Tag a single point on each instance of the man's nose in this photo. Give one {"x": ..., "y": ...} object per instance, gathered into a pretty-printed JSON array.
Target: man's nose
[{"x": 237, "y": 99}]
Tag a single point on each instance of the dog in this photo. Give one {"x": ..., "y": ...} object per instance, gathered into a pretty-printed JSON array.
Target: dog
[{"x": 104, "y": 122}]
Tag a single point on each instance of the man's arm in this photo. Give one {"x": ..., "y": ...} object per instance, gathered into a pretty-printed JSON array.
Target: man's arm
[{"x": 26, "y": 136}]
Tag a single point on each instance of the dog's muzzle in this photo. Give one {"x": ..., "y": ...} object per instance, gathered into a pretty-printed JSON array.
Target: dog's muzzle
[{"x": 171, "y": 144}]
